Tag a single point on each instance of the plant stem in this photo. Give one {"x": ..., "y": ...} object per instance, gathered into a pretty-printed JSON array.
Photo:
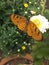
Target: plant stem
[{"x": 43, "y": 2}]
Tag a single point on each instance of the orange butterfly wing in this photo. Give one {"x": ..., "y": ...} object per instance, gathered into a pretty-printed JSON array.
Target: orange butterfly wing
[
  {"x": 33, "y": 31},
  {"x": 19, "y": 21},
  {"x": 30, "y": 28}
]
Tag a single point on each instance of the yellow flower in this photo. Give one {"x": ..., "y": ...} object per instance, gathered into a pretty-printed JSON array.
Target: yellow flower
[
  {"x": 26, "y": 5},
  {"x": 33, "y": 12},
  {"x": 23, "y": 47}
]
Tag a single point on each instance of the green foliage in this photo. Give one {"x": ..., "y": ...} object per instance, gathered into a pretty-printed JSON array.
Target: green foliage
[
  {"x": 46, "y": 13},
  {"x": 11, "y": 38},
  {"x": 20, "y": 64},
  {"x": 38, "y": 62}
]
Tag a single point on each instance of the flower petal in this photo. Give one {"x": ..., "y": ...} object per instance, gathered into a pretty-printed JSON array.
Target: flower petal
[{"x": 41, "y": 22}]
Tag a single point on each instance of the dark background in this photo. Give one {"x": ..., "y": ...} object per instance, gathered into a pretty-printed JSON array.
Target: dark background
[{"x": 47, "y": 4}]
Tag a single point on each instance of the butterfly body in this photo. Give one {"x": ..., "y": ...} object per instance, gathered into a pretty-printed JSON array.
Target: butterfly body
[{"x": 29, "y": 27}]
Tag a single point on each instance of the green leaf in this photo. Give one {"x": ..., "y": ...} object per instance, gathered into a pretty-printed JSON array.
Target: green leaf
[{"x": 38, "y": 62}]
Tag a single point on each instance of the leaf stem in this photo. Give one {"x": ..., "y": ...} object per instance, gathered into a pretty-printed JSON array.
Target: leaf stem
[{"x": 42, "y": 3}]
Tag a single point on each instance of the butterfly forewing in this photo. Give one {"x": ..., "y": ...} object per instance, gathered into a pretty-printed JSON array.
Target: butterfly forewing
[{"x": 19, "y": 21}]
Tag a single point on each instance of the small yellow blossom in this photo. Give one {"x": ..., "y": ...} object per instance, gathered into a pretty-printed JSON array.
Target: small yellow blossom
[
  {"x": 23, "y": 47},
  {"x": 26, "y": 5},
  {"x": 33, "y": 12}
]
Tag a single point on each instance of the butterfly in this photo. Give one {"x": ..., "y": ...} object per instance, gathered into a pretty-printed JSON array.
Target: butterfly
[{"x": 29, "y": 27}]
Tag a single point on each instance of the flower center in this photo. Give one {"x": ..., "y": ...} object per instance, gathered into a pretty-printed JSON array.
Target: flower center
[
  {"x": 23, "y": 47},
  {"x": 37, "y": 22}
]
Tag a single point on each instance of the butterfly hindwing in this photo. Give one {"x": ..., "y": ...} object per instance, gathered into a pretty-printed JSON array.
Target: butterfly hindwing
[{"x": 33, "y": 31}]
